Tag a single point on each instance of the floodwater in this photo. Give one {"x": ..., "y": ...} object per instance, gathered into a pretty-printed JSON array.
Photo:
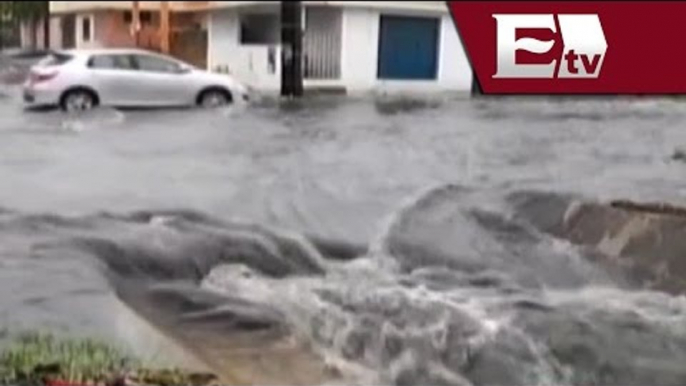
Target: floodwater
[{"x": 362, "y": 241}]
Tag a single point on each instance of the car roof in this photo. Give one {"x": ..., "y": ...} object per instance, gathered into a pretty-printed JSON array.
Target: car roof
[{"x": 105, "y": 51}]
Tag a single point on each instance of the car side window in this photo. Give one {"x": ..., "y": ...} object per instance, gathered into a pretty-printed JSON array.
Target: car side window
[
  {"x": 151, "y": 63},
  {"x": 110, "y": 62}
]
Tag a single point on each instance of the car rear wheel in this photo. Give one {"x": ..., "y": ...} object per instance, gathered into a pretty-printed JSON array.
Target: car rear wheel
[
  {"x": 214, "y": 98},
  {"x": 78, "y": 100}
]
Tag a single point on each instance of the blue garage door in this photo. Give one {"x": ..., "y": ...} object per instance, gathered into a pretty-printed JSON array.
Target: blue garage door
[{"x": 408, "y": 47}]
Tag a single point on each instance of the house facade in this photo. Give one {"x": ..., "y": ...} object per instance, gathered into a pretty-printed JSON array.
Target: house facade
[
  {"x": 93, "y": 24},
  {"x": 358, "y": 47},
  {"x": 351, "y": 46}
]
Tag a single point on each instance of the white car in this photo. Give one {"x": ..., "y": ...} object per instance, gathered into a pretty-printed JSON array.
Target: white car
[{"x": 81, "y": 79}]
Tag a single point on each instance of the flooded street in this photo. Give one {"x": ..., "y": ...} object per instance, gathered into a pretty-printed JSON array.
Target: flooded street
[
  {"x": 355, "y": 240},
  {"x": 332, "y": 166}
]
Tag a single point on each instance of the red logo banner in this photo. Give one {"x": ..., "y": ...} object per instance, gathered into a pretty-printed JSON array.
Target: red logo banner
[{"x": 575, "y": 47}]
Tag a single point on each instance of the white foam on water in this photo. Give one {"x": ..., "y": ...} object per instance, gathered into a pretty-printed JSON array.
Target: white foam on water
[
  {"x": 91, "y": 120},
  {"x": 656, "y": 308}
]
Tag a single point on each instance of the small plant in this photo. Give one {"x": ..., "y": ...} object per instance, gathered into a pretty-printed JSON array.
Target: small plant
[
  {"x": 41, "y": 359},
  {"x": 36, "y": 358}
]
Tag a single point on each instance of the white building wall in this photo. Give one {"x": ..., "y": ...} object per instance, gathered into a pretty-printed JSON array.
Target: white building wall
[
  {"x": 361, "y": 48},
  {"x": 359, "y": 56},
  {"x": 248, "y": 63},
  {"x": 454, "y": 70},
  {"x": 222, "y": 38}
]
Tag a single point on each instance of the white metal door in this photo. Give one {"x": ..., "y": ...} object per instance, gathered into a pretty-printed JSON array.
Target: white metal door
[{"x": 322, "y": 43}]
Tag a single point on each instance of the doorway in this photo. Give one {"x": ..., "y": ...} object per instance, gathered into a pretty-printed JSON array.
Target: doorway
[{"x": 408, "y": 48}]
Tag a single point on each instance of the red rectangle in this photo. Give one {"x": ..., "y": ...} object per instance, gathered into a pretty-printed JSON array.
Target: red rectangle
[{"x": 645, "y": 44}]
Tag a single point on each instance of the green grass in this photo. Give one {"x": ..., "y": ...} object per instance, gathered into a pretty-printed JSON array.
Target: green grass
[{"x": 31, "y": 358}]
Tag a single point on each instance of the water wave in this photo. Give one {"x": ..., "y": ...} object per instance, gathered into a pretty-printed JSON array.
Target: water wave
[{"x": 452, "y": 292}]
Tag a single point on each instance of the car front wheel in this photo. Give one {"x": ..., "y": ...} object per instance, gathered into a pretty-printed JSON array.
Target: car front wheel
[
  {"x": 214, "y": 98},
  {"x": 78, "y": 100}
]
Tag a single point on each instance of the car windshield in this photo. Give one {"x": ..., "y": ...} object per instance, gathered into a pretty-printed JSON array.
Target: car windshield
[{"x": 55, "y": 59}]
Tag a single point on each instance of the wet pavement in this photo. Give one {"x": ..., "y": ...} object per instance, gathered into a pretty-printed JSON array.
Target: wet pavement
[{"x": 450, "y": 286}]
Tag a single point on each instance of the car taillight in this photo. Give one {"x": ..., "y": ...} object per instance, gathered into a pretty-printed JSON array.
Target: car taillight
[{"x": 42, "y": 77}]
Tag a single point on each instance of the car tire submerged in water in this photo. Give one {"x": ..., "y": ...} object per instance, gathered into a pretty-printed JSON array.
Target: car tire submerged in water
[
  {"x": 78, "y": 100},
  {"x": 214, "y": 97}
]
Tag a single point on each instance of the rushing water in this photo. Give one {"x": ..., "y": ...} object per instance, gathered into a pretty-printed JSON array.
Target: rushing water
[{"x": 345, "y": 240}]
